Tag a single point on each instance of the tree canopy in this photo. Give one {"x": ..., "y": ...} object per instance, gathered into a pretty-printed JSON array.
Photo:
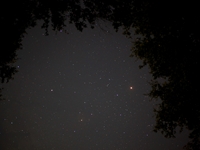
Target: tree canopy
[{"x": 169, "y": 45}]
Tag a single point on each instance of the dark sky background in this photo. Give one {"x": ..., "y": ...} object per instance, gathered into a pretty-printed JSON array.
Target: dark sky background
[{"x": 73, "y": 92}]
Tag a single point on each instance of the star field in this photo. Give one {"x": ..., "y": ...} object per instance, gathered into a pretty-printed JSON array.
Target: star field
[{"x": 80, "y": 90}]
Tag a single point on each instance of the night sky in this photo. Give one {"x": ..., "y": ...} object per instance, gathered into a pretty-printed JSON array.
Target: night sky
[{"x": 80, "y": 91}]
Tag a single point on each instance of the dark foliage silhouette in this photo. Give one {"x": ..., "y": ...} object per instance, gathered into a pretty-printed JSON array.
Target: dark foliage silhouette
[{"x": 170, "y": 47}]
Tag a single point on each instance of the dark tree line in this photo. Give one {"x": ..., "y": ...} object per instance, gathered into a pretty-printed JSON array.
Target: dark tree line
[{"x": 169, "y": 45}]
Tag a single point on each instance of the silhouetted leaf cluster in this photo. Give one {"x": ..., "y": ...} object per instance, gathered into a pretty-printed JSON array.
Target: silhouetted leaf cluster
[{"x": 170, "y": 46}]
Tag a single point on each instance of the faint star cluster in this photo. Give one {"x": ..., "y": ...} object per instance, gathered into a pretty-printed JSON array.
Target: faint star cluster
[{"x": 79, "y": 90}]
